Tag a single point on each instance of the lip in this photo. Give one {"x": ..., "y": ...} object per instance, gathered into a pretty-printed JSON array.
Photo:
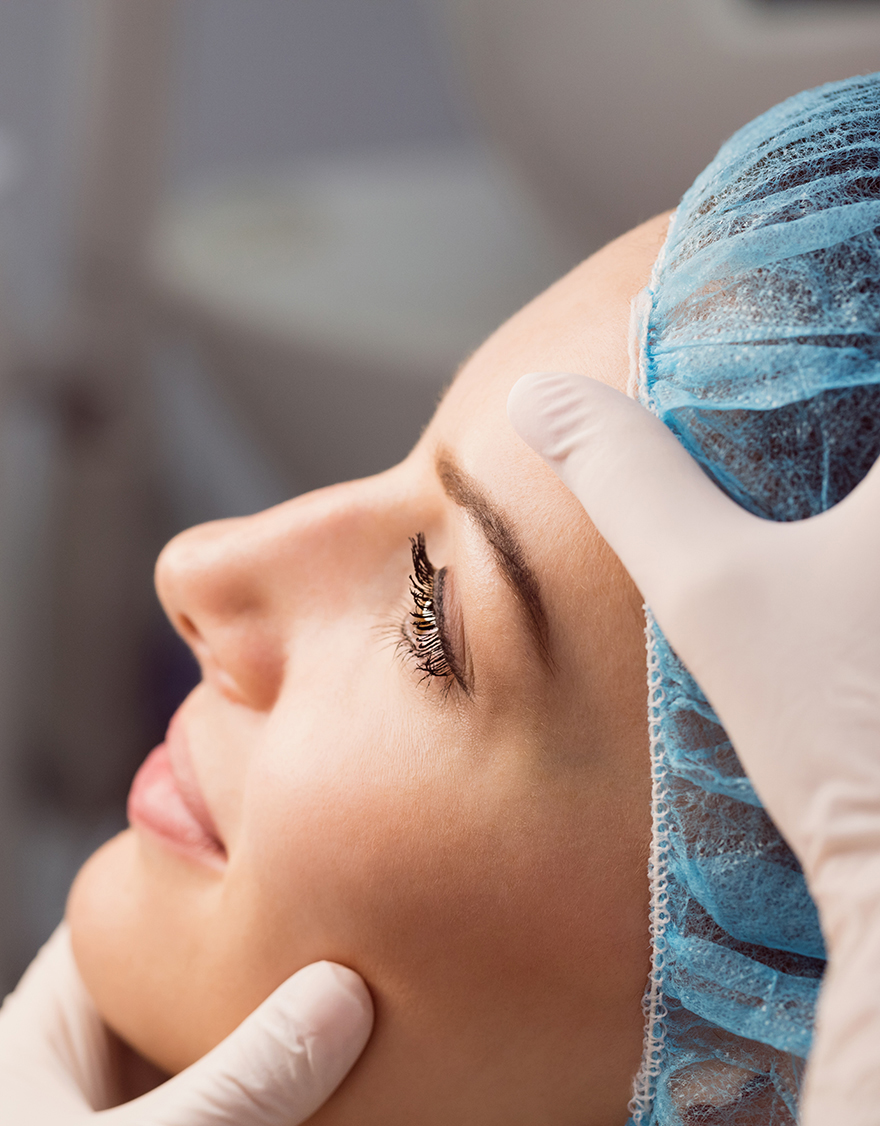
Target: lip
[{"x": 165, "y": 800}]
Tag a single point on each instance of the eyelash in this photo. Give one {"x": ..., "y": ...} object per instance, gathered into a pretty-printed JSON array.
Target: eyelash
[{"x": 423, "y": 633}]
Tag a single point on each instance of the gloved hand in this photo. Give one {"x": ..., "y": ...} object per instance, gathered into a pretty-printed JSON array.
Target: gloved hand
[
  {"x": 276, "y": 1069},
  {"x": 780, "y": 625}
]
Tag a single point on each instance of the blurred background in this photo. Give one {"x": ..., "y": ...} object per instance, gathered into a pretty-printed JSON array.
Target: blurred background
[{"x": 244, "y": 244}]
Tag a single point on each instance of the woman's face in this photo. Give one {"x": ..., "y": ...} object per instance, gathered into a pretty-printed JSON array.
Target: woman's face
[{"x": 449, "y": 793}]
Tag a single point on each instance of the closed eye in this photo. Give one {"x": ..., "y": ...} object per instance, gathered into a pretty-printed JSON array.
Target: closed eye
[{"x": 424, "y": 631}]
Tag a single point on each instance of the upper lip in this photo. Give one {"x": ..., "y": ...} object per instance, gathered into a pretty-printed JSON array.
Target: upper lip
[{"x": 182, "y": 768}]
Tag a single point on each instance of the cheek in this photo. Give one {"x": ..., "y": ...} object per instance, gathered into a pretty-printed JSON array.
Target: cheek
[
  {"x": 442, "y": 873},
  {"x": 339, "y": 824}
]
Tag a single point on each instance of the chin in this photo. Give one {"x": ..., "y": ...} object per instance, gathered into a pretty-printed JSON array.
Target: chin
[
  {"x": 119, "y": 929},
  {"x": 99, "y": 915}
]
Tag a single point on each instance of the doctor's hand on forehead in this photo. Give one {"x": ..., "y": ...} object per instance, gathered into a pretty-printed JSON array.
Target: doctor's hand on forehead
[
  {"x": 780, "y": 625},
  {"x": 60, "y": 1067}
]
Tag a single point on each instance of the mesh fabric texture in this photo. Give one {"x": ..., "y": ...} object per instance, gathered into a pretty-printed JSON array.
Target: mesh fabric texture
[{"x": 758, "y": 345}]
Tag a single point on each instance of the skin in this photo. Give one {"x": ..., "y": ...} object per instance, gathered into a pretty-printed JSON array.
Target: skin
[{"x": 480, "y": 858}]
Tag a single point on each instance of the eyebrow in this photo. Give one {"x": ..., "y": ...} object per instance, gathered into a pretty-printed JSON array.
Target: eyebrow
[{"x": 505, "y": 544}]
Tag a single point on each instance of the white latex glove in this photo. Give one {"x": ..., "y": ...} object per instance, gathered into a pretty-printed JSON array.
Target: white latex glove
[
  {"x": 275, "y": 1069},
  {"x": 780, "y": 625}
]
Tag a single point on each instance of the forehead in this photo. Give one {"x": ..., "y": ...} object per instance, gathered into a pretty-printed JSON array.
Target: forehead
[{"x": 580, "y": 324}]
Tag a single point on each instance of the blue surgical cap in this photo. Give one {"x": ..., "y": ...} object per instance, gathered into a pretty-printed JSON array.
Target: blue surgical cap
[{"x": 757, "y": 343}]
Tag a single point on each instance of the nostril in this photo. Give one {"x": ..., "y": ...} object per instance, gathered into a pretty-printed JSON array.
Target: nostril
[{"x": 188, "y": 629}]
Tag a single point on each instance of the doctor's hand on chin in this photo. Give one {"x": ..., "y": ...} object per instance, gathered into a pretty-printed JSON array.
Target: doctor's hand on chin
[
  {"x": 779, "y": 623},
  {"x": 59, "y": 1065}
]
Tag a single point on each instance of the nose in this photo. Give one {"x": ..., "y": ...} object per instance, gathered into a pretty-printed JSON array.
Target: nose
[
  {"x": 234, "y": 588},
  {"x": 218, "y": 600}
]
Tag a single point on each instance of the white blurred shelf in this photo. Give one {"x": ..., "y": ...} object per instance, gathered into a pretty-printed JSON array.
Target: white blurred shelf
[{"x": 335, "y": 300}]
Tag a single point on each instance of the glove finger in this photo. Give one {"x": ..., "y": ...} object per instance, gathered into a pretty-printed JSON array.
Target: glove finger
[
  {"x": 53, "y": 1046},
  {"x": 277, "y": 1068},
  {"x": 648, "y": 498}
]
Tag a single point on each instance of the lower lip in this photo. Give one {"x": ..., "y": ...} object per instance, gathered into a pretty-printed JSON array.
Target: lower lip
[{"x": 155, "y": 804}]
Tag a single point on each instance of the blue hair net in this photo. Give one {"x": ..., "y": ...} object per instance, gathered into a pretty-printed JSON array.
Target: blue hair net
[{"x": 758, "y": 344}]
